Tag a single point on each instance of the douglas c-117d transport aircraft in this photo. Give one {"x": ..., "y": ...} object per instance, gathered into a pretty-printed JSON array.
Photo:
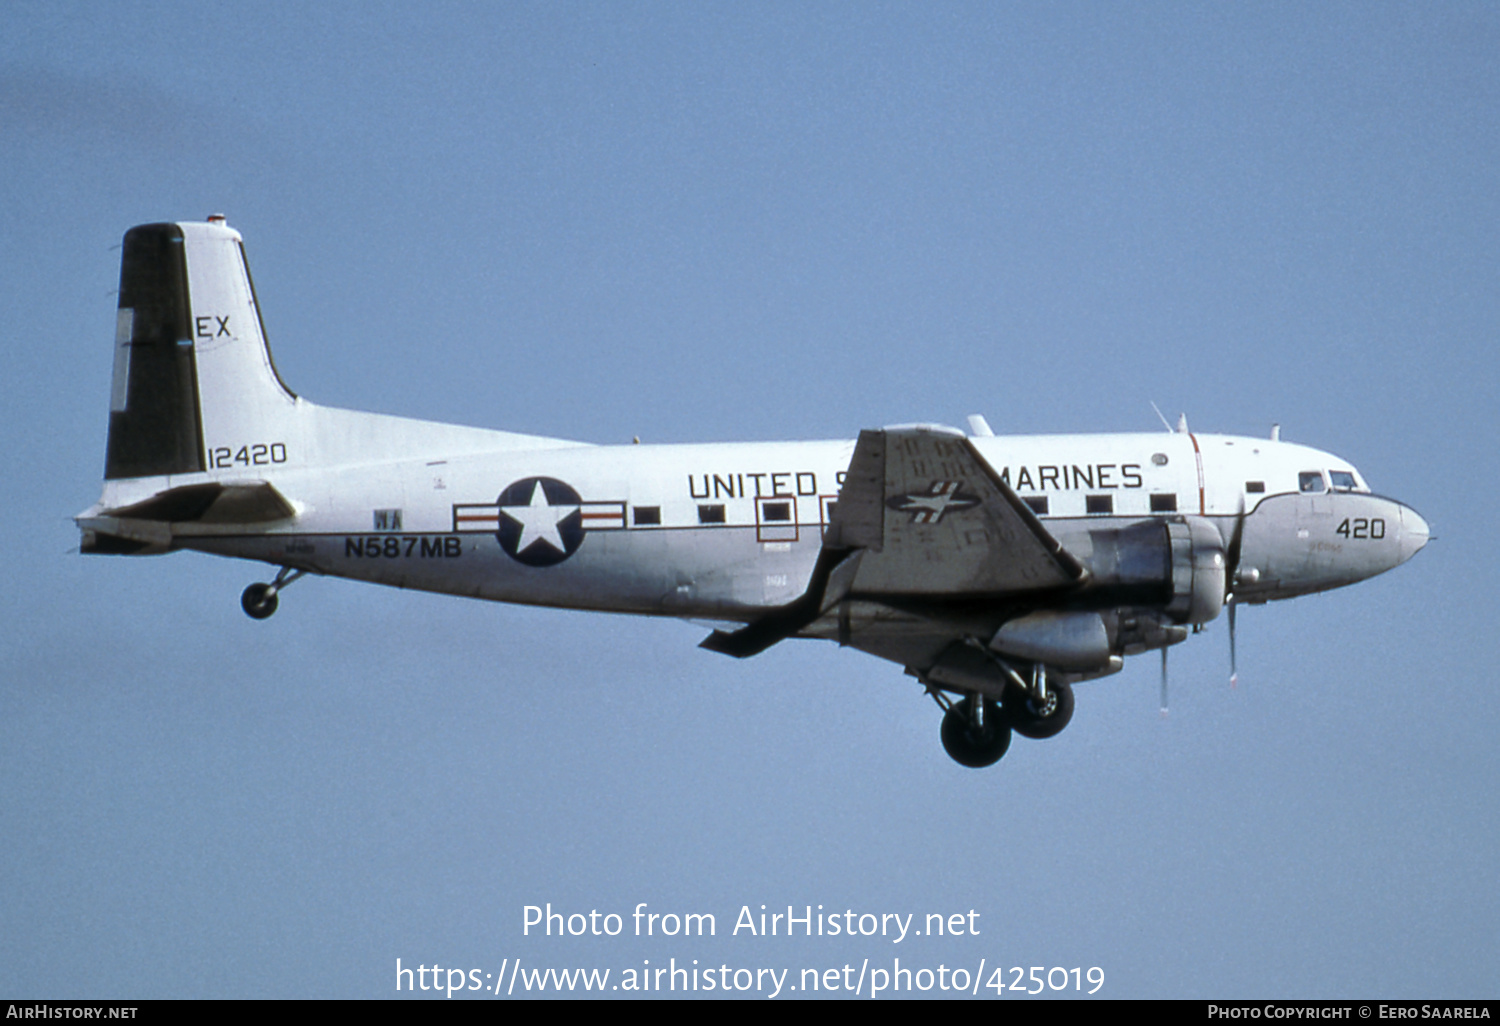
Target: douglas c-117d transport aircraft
[{"x": 998, "y": 571}]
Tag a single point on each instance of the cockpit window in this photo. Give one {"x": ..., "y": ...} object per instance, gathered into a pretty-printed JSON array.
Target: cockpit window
[
  {"x": 1310, "y": 481},
  {"x": 1343, "y": 481}
]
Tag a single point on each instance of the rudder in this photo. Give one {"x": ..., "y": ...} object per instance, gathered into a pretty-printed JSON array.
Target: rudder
[{"x": 154, "y": 425}]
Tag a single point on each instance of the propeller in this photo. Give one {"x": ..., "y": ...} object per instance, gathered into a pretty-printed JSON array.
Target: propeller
[{"x": 1231, "y": 579}]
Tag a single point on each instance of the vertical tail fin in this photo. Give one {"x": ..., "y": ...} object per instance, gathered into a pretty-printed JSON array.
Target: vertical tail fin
[
  {"x": 196, "y": 395},
  {"x": 194, "y": 387}
]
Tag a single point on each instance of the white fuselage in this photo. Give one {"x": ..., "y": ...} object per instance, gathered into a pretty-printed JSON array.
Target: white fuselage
[{"x": 724, "y": 531}]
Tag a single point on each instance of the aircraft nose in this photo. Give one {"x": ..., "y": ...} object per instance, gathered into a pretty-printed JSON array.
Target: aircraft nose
[{"x": 1414, "y": 532}]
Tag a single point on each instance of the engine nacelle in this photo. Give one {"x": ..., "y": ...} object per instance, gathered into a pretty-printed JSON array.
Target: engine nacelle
[
  {"x": 1151, "y": 578},
  {"x": 1198, "y": 571},
  {"x": 1069, "y": 641},
  {"x": 1176, "y": 565}
]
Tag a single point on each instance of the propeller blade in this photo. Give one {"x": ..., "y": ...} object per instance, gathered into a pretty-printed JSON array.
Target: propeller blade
[
  {"x": 1231, "y": 581},
  {"x": 1164, "y": 680},
  {"x": 1234, "y": 673}
]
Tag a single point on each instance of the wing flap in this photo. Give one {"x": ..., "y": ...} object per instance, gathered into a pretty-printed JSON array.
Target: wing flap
[
  {"x": 857, "y": 520},
  {"x": 829, "y": 575}
]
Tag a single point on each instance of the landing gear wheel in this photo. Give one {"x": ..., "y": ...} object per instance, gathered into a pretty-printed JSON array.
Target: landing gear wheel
[
  {"x": 1032, "y": 719},
  {"x": 259, "y": 601},
  {"x": 972, "y": 744}
]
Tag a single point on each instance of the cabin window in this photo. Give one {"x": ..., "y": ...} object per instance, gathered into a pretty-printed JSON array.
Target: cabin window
[
  {"x": 1164, "y": 504},
  {"x": 647, "y": 516},
  {"x": 711, "y": 514},
  {"x": 1038, "y": 504},
  {"x": 1343, "y": 481},
  {"x": 1310, "y": 481},
  {"x": 778, "y": 512},
  {"x": 1255, "y": 487},
  {"x": 1100, "y": 503}
]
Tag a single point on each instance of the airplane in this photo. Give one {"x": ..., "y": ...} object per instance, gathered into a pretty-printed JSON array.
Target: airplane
[{"x": 999, "y": 571}]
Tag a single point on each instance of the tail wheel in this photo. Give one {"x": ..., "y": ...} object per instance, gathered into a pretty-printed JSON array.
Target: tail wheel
[
  {"x": 259, "y": 601},
  {"x": 1034, "y": 719},
  {"x": 975, "y": 737}
]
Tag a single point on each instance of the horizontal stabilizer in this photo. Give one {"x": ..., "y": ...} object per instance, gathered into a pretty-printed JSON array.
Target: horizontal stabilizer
[{"x": 212, "y": 502}]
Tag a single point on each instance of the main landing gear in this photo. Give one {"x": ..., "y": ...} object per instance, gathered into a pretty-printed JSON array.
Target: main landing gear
[
  {"x": 1042, "y": 710},
  {"x": 259, "y": 600},
  {"x": 977, "y": 730}
]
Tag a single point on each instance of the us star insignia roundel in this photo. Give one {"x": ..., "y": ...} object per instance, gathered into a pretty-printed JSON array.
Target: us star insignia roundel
[
  {"x": 541, "y": 521},
  {"x": 928, "y": 507}
]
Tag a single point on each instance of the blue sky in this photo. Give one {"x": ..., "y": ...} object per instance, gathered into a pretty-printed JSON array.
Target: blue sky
[{"x": 774, "y": 221}]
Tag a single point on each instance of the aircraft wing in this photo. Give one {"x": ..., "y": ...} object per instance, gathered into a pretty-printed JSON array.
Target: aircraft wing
[
  {"x": 920, "y": 515},
  {"x": 935, "y": 520}
]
